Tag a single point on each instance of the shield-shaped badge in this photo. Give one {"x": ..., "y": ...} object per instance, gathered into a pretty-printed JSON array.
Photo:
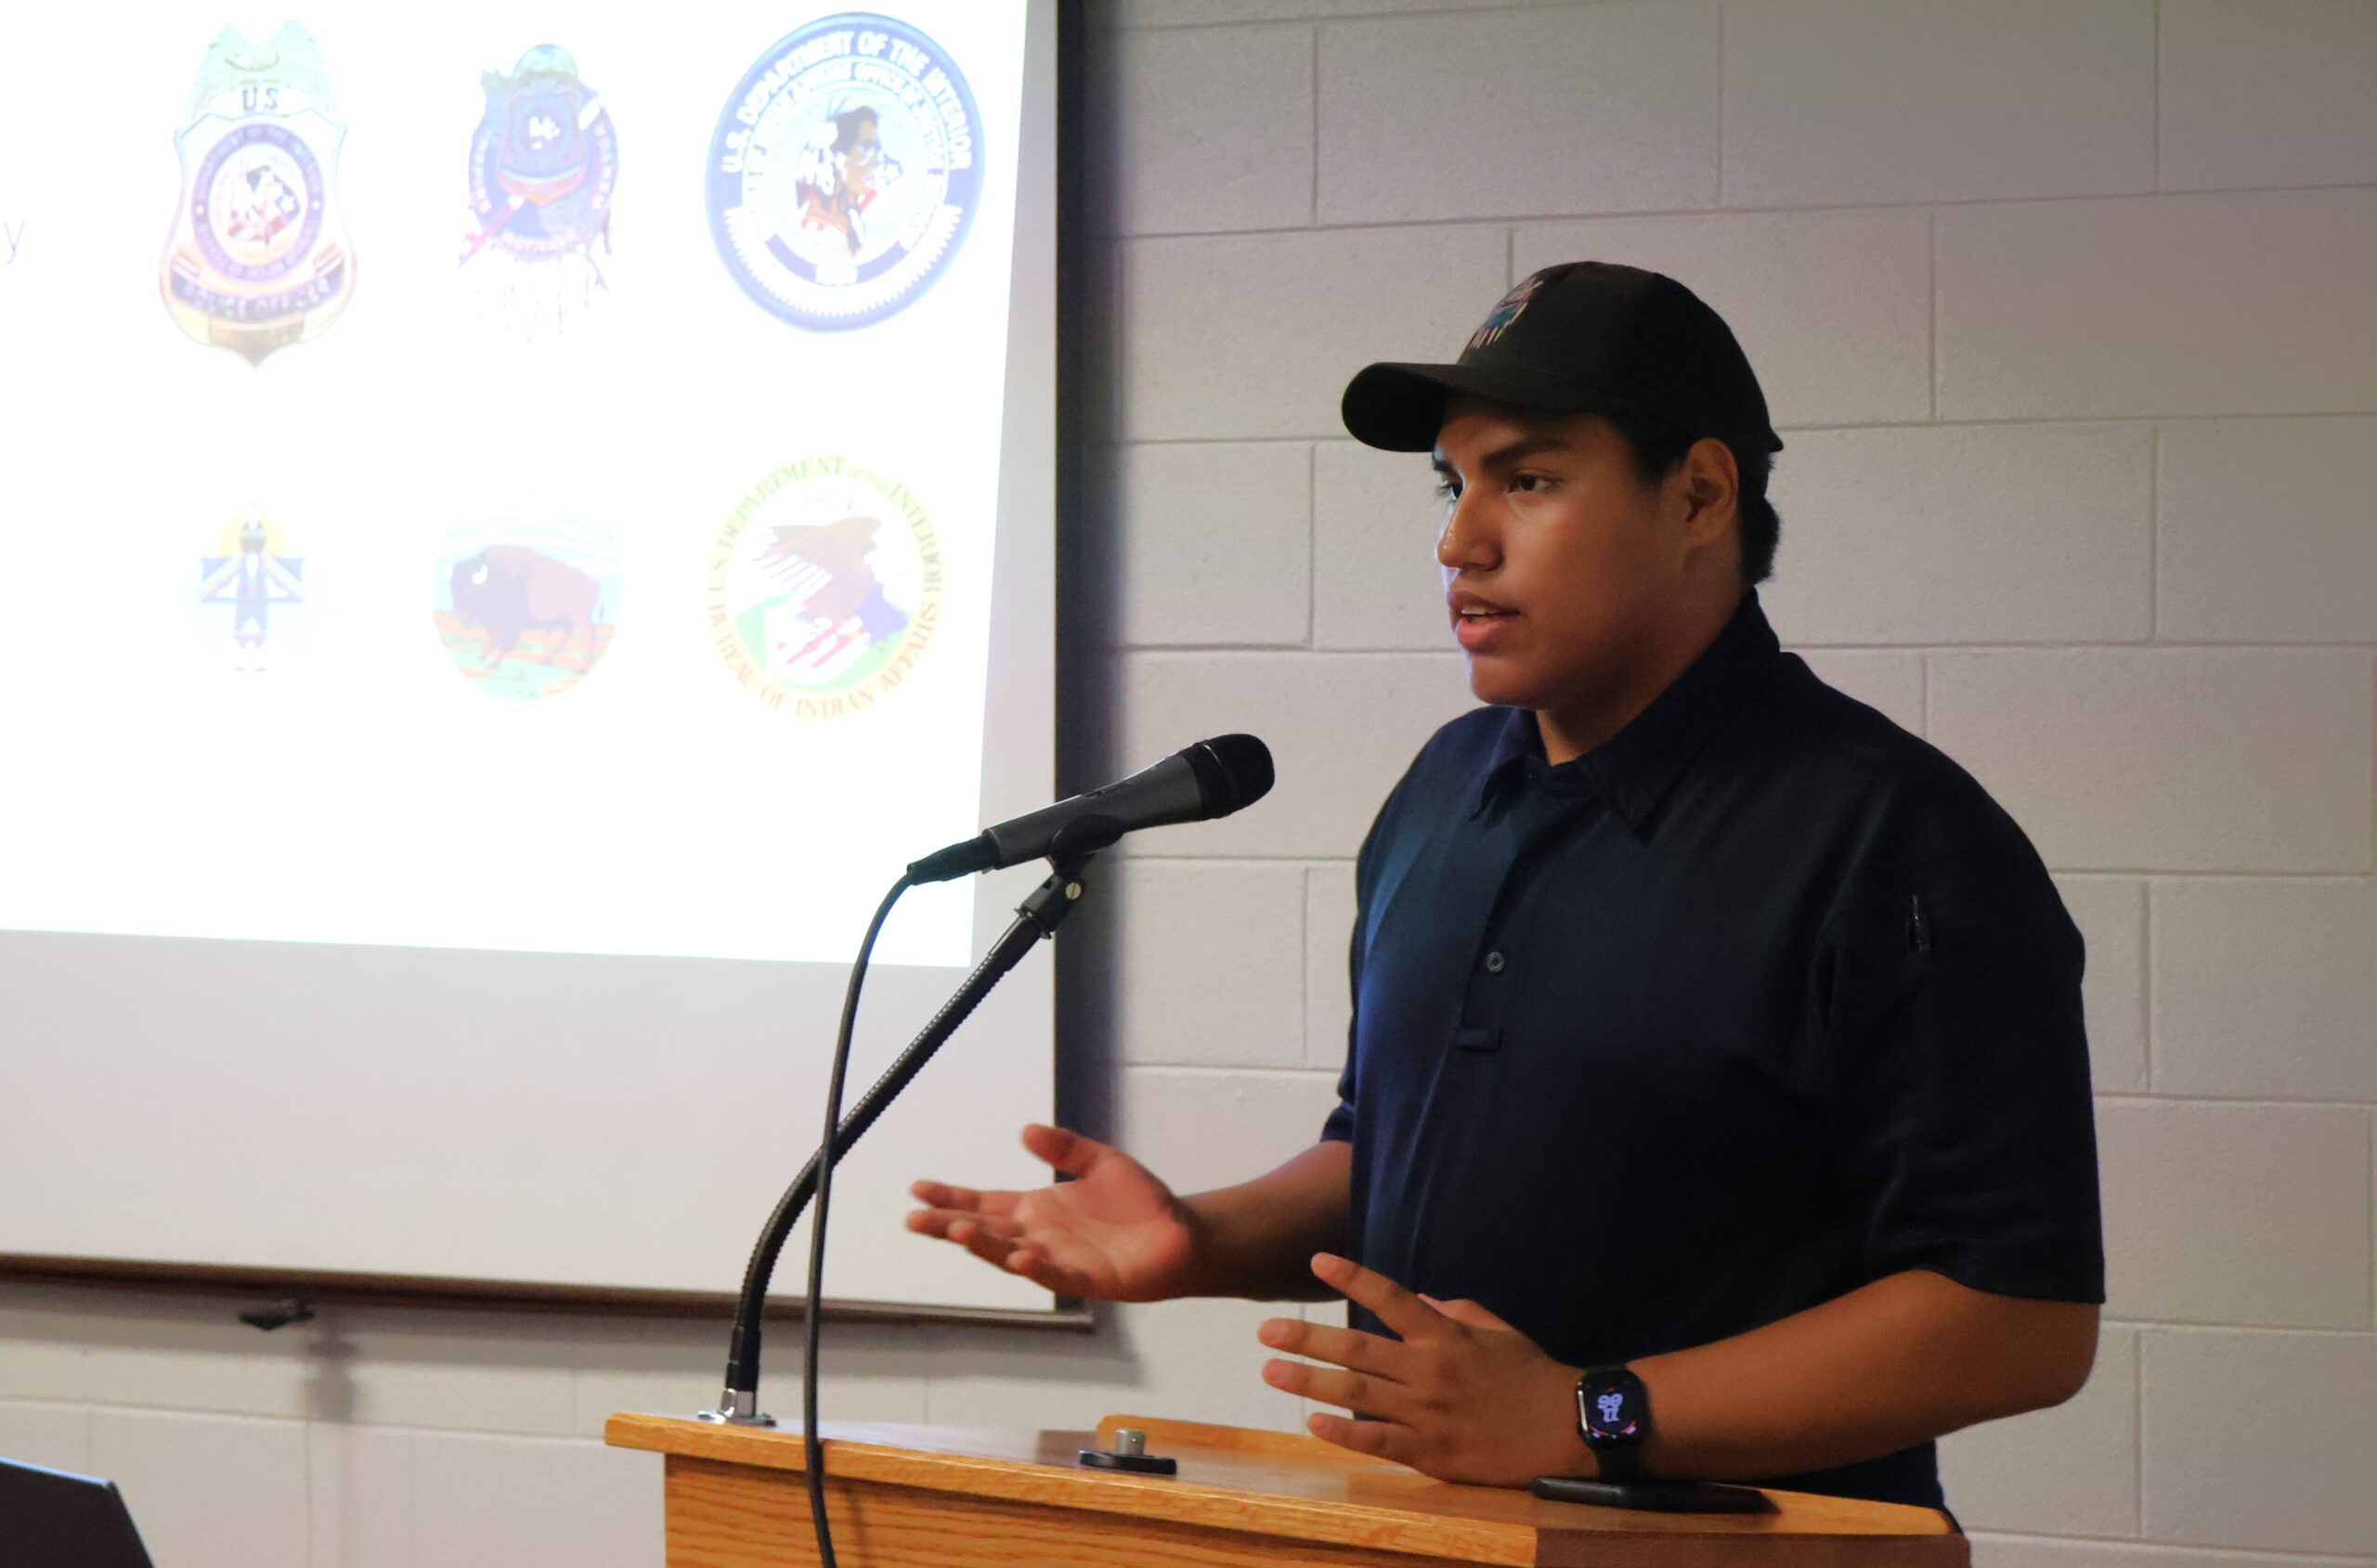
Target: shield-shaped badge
[{"x": 258, "y": 258}]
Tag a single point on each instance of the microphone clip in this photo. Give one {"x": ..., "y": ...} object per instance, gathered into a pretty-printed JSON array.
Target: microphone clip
[
  {"x": 1076, "y": 844},
  {"x": 1081, "y": 838}
]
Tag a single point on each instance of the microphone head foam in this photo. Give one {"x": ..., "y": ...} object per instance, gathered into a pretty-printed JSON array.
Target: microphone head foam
[{"x": 1243, "y": 766}]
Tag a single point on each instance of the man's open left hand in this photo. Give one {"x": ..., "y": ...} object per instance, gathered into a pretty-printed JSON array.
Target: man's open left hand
[{"x": 1461, "y": 1396}]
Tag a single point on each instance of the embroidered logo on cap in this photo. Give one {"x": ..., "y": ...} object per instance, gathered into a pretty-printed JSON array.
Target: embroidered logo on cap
[{"x": 1499, "y": 319}]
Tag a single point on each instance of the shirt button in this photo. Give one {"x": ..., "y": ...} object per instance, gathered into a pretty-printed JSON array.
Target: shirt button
[{"x": 1495, "y": 963}]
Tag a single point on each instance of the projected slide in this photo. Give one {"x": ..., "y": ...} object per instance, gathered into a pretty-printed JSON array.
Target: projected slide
[{"x": 503, "y": 477}]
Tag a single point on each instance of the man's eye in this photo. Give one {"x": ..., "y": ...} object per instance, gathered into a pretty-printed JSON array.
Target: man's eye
[
  {"x": 1528, "y": 482},
  {"x": 1448, "y": 489}
]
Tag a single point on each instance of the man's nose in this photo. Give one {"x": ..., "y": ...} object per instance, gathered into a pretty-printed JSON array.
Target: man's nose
[{"x": 1467, "y": 540}]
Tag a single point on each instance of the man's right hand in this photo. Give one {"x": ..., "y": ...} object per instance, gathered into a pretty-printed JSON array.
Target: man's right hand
[{"x": 1115, "y": 1232}]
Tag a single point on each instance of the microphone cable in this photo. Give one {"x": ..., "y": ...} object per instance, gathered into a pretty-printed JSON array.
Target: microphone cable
[
  {"x": 1036, "y": 918},
  {"x": 813, "y": 1448}
]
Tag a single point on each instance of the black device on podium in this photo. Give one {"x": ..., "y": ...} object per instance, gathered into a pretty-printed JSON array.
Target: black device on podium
[{"x": 1653, "y": 1496}]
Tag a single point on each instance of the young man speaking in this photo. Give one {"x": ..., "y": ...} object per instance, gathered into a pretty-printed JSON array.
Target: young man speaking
[{"x": 1717, "y": 1102}]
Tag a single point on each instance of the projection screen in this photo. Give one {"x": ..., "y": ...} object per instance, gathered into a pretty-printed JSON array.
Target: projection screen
[{"x": 523, "y": 518}]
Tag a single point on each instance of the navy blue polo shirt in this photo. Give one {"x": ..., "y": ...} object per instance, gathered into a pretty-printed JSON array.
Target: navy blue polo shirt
[{"x": 1761, "y": 999}]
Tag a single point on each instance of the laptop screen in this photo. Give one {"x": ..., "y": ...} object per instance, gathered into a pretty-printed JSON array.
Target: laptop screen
[{"x": 51, "y": 1519}]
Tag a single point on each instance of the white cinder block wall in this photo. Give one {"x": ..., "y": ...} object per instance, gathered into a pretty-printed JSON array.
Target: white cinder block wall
[{"x": 2067, "y": 310}]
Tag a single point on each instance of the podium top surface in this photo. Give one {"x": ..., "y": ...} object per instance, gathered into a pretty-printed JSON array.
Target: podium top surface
[{"x": 1290, "y": 1486}]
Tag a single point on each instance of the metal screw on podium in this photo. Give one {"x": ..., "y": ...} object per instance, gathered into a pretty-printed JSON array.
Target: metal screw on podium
[{"x": 1130, "y": 1452}]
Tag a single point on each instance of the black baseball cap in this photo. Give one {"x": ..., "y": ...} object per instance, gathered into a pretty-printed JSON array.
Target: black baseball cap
[{"x": 1582, "y": 337}]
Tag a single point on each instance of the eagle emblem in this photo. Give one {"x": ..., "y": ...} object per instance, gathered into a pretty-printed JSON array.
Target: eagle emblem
[{"x": 825, "y": 586}]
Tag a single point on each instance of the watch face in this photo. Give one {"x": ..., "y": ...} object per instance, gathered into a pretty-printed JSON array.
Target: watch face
[{"x": 1612, "y": 1411}]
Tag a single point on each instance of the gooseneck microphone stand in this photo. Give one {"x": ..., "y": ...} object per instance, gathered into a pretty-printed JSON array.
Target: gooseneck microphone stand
[{"x": 1037, "y": 917}]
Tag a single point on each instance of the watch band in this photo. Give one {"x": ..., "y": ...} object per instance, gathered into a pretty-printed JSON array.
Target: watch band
[{"x": 1618, "y": 1461}]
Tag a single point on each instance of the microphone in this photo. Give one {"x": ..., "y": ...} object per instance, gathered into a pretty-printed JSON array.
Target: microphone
[{"x": 1211, "y": 779}]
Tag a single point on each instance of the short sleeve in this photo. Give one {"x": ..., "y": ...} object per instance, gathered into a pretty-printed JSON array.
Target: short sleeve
[
  {"x": 1339, "y": 1127},
  {"x": 1948, "y": 1004}
]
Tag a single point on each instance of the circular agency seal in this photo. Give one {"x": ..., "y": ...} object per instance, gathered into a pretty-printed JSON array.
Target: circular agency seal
[
  {"x": 844, "y": 172},
  {"x": 256, "y": 205},
  {"x": 825, "y": 587}
]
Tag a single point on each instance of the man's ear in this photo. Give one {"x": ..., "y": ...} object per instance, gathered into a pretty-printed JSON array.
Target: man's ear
[{"x": 1712, "y": 491}]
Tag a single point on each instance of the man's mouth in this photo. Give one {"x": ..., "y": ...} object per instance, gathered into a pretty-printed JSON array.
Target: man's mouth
[
  {"x": 1477, "y": 623},
  {"x": 1465, "y": 602}
]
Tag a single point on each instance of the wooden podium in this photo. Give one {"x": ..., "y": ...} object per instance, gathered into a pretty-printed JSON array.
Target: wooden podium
[{"x": 904, "y": 1496}]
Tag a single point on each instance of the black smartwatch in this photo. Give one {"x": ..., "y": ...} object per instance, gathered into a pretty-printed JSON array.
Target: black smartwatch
[{"x": 1614, "y": 1417}]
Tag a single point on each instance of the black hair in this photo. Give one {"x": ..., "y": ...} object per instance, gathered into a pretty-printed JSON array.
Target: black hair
[
  {"x": 1659, "y": 446},
  {"x": 848, "y": 123}
]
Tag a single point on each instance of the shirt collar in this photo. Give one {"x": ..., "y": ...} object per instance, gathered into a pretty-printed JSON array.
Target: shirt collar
[{"x": 1633, "y": 769}]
